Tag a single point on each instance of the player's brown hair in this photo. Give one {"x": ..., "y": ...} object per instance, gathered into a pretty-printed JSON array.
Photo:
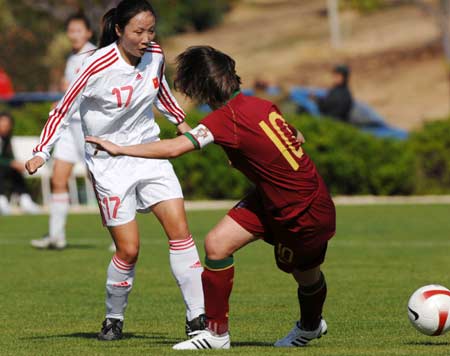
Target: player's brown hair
[{"x": 206, "y": 75}]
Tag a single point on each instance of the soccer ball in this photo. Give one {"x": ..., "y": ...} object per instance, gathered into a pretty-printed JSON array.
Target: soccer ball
[{"x": 429, "y": 308}]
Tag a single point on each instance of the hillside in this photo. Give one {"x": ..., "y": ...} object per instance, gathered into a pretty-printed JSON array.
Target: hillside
[{"x": 395, "y": 55}]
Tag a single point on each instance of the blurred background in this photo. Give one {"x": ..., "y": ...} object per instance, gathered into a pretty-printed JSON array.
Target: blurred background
[{"x": 394, "y": 141}]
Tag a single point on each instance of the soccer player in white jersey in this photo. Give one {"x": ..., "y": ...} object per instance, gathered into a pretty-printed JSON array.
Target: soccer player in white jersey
[
  {"x": 70, "y": 148},
  {"x": 114, "y": 93}
]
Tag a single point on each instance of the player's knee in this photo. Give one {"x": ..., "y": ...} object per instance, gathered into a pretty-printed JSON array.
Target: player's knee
[
  {"x": 58, "y": 184},
  {"x": 128, "y": 253},
  {"x": 215, "y": 249}
]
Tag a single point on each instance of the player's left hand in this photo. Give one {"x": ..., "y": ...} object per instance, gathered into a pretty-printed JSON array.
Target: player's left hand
[
  {"x": 104, "y": 145},
  {"x": 300, "y": 137}
]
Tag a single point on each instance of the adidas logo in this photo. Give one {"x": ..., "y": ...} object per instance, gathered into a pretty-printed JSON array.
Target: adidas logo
[
  {"x": 196, "y": 265},
  {"x": 121, "y": 284},
  {"x": 139, "y": 76}
]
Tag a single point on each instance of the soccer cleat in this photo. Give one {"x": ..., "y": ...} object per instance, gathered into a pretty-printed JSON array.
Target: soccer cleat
[
  {"x": 49, "y": 243},
  {"x": 298, "y": 337},
  {"x": 111, "y": 330},
  {"x": 204, "y": 339},
  {"x": 27, "y": 205},
  {"x": 196, "y": 324},
  {"x": 5, "y": 208}
]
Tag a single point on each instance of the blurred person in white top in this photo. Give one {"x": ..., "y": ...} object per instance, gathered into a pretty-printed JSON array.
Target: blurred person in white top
[
  {"x": 114, "y": 93},
  {"x": 70, "y": 148}
]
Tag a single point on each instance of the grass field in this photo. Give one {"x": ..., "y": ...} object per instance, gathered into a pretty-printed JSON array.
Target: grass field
[{"x": 52, "y": 303}]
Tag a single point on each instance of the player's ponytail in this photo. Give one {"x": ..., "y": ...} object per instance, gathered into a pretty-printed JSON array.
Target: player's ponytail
[
  {"x": 120, "y": 16},
  {"x": 109, "y": 34}
]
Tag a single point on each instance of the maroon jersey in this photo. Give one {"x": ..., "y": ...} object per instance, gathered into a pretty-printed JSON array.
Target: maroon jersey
[{"x": 263, "y": 146}]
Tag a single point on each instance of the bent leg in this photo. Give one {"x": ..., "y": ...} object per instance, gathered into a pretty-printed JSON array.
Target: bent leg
[{"x": 220, "y": 244}]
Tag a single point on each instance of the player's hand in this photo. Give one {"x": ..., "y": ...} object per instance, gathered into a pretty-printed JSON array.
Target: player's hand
[
  {"x": 104, "y": 145},
  {"x": 34, "y": 164},
  {"x": 300, "y": 137}
]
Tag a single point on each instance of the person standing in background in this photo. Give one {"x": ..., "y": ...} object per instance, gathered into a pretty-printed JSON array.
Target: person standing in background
[
  {"x": 70, "y": 148},
  {"x": 11, "y": 171}
]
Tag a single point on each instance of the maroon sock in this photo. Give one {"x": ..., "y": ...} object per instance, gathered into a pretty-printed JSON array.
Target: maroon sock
[
  {"x": 312, "y": 299},
  {"x": 217, "y": 286}
]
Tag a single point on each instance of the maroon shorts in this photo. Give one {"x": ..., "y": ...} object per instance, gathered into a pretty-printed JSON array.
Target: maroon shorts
[{"x": 300, "y": 242}]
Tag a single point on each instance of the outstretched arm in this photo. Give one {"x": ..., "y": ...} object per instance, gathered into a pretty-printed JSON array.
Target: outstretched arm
[{"x": 170, "y": 148}]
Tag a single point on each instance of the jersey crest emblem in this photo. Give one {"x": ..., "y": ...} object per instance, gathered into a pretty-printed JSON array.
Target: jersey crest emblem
[
  {"x": 139, "y": 76},
  {"x": 156, "y": 82}
]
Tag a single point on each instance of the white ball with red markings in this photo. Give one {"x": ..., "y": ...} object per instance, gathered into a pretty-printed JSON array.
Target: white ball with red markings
[{"x": 429, "y": 309}]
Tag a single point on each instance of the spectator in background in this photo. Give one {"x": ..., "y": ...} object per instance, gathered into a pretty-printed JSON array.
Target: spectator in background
[
  {"x": 11, "y": 171},
  {"x": 70, "y": 148},
  {"x": 338, "y": 102}
]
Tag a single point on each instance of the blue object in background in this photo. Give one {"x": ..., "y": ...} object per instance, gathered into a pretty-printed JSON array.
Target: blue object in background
[{"x": 361, "y": 116}]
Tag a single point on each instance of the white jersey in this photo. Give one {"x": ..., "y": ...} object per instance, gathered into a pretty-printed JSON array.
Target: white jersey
[
  {"x": 75, "y": 61},
  {"x": 115, "y": 102}
]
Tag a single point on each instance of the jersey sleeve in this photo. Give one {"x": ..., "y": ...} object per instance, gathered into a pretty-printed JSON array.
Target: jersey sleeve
[
  {"x": 166, "y": 103},
  {"x": 222, "y": 127},
  {"x": 60, "y": 116}
]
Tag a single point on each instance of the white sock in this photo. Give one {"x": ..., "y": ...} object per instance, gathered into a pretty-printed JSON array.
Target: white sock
[
  {"x": 119, "y": 283},
  {"x": 59, "y": 208},
  {"x": 187, "y": 270}
]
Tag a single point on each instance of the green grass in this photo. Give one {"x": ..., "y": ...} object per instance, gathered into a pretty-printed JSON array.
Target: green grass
[{"x": 52, "y": 303}]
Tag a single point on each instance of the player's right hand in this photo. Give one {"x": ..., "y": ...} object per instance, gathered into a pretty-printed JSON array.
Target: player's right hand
[
  {"x": 34, "y": 164},
  {"x": 104, "y": 145}
]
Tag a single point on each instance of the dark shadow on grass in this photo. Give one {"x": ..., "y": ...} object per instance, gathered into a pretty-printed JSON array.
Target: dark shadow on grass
[
  {"x": 148, "y": 336},
  {"x": 68, "y": 247},
  {"x": 428, "y": 343}
]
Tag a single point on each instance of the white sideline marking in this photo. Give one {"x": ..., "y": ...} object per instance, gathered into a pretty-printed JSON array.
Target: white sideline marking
[{"x": 338, "y": 200}]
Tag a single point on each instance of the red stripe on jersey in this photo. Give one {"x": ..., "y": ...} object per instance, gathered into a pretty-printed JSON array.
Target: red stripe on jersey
[
  {"x": 164, "y": 101},
  {"x": 154, "y": 50},
  {"x": 59, "y": 114},
  {"x": 168, "y": 107},
  {"x": 177, "y": 109},
  {"x": 50, "y": 119},
  {"x": 55, "y": 119}
]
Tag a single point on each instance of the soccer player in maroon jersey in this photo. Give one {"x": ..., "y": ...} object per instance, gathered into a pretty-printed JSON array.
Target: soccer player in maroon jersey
[{"x": 290, "y": 207}]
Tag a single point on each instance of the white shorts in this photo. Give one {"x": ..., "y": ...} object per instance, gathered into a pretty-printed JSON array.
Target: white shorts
[
  {"x": 137, "y": 186},
  {"x": 70, "y": 146}
]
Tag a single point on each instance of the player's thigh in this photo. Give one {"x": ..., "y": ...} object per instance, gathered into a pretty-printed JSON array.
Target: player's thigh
[
  {"x": 126, "y": 239},
  {"x": 172, "y": 216},
  {"x": 61, "y": 174},
  {"x": 226, "y": 238},
  {"x": 116, "y": 199}
]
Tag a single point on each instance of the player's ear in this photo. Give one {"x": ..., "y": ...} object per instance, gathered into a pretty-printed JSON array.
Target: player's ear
[{"x": 118, "y": 31}]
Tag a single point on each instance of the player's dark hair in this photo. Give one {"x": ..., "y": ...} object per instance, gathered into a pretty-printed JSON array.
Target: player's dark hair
[
  {"x": 120, "y": 16},
  {"x": 206, "y": 75},
  {"x": 79, "y": 16}
]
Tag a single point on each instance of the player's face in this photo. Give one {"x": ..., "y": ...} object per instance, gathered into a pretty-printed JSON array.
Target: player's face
[
  {"x": 138, "y": 32},
  {"x": 5, "y": 126},
  {"x": 78, "y": 34}
]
